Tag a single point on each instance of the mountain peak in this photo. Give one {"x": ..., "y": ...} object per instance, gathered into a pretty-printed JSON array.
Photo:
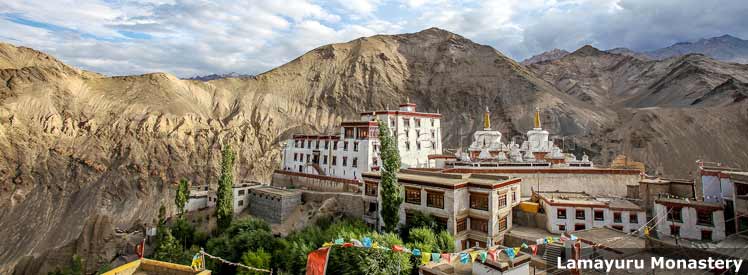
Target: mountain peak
[
  {"x": 587, "y": 50},
  {"x": 551, "y": 55}
]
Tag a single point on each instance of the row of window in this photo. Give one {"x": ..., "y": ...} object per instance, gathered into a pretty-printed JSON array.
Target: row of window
[
  {"x": 481, "y": 225},
  {"x": 354, "y": 160},
  {"x": 702, "y": 217},
  {"x": 326, "y": 144},
  {"x": 433, "y": 199},
  {"x": 706, "y": 235},
  {"x": 599, "y": 215},
  {"x": 416, "y": 121}
]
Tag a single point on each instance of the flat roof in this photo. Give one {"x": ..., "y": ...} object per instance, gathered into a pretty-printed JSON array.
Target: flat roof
[
  {"x": 614, "y": 239},
  {"x": 562, "y": 198},
  {"x": 449, "y": 180},
  {"x": 277, "y": 191},
  {"x": 688, "y": 202}
]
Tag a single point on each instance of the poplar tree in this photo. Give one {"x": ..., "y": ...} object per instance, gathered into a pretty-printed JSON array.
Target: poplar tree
[
  {"x": 225, "y": 201},
  {"x": 183, "y": 194},
  {"x": 390, "y": 191}
]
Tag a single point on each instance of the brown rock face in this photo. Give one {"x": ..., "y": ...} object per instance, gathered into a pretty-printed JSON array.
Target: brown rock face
[{"x": 83, "y": 154}]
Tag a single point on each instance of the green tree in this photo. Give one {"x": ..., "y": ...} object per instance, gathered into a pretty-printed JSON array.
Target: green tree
[
  {"x": 445, "y": 242},
  {"x": 161, "y": 214},
  {"x": 183, "y": 194},
  {"x": 391, "y": 191},
  {"x": 169, "y": 249},
  {"x": 258, "y": 259},
  {"x": 225, "y": 203},
  {"x": 183, "y": 231}
]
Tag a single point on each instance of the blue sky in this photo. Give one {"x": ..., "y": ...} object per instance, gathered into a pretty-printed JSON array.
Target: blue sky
[{"x": 186, "y": 38}]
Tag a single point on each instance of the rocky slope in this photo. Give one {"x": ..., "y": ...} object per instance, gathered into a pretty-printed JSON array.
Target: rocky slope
[
  {"x": 84, "y": 154},
  {"x": 725, "y": 48},
  {"x": 671, "y": 112},
  {"x": 545, "y": 56}
]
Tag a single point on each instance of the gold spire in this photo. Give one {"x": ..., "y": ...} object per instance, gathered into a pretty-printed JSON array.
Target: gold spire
[
  {"x": 487, "y": 119},
  {"x": 537, "y": 117}
]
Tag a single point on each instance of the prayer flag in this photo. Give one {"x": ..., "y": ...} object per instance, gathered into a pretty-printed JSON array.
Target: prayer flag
[
  {"x": 464, "y": 258},
  {"x": 473, "y": 255},
  {"x": 524, "y": 245},
  {"x": 482, "y": 256},
  {"x": 357, "y": 243},
  {"x": 316, "y": 262},
  {"x": 509, "y": 252},
  {"x": 375, "y": 245},
  {"x": 492, "y": 254},
  {"x": 516, "y": 251},
  {"x": 397, "y": 248},
  {"x": 416, "y": 252},
  {"x": 534, "y": 249},
  {"x": 327, "y": 244},
  {"x": 447, "y": 257},
  {"x": 339, "y": 241},
  {"x": 348, "y": 245},
  {"x": 367, "y": 242},
  {"x": 435, "y": 257},
  {"x": 540, "y": 241},
  {"x": 425, "y": 257}
]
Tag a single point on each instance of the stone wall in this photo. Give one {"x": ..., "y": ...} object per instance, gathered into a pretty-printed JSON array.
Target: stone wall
[
  {"x": 270, "y": 207},
  {"x": 314, "y": 182},
  {"x": 593, "y": 184}
]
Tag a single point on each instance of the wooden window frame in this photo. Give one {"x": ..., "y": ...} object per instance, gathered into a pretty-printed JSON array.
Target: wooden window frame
[
  {"x": 411, "y": 197},
  {"x": 433, "y": 201},
  {"x": 461, "y": 225},
  {"x": 577, "y": 216},
  {"x": 602, "y": 215},
  {"x": 502, "y": 200},
  {"x": 478, "y": 224},
  {"x": 559, "y": 211},
  {"x": 478, "y": 201}
]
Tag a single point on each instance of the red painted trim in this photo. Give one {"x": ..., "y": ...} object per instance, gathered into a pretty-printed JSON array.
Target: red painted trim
[
  {"x": 335, "y": 179},
  {"x": 316, "y": 137},
  {"x": 684, "y": 204},
  {"x": 403, "y": 113},
  {"x": 408, "y": 104},
  {"x": 442, "y": 157},
  {"x": 597, "y": 171},
  {"x": 359, "y": 123}
]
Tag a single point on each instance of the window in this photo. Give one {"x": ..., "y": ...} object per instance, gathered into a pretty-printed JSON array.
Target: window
[
  {"x": 599, "y": 215},
  {"x": 704, "y": 218},
  {"x": 561, "y": 213},
  {"x": 407, "y": 146},
  {"x": 334, "y": 160},
  {"x": 241, "y": 202},
  {"x": 354, "y": 162},
  {"x": 309, "y": 144},
  {"x": 372, "y": 207},
  {"x": 345, "y": 161},
  {"x": 296, "y": 143},
  {"x": 561, "y": 227},
  {"x": 441, "y": 222},
  {"x": 295, "y": 157},
  {"x": 432, "y": 122},
  {"x": 371, "y": 189},
  {"x": 478, "y": 224},
  {"x": 674, "y": 230},
  {"x": 617, "y": 217},
  {"x": 324, "y": 160},
  {"x": 413, "y": 195},
  {"x": 302, "y": 144},
  {"x": 706, "y": 235},
  {"x": 355, "y": 146},
  {"x": 462, "y": 225},
  {"x": 633, "y": 218},
  {"x": 335, "y": 145},
  {"x": 479, "y": 201},
  {"x": 433, "y": 133},
  {"x": 345, "y": 146},
  {"x": 418, "y": 122},
  {"x": 580, "y": 214},
  {"x": 327, "y": 144},
  {"x": 406, "y": 122},
  {"x": 308, "y": 157},
  {"x": 348, "y": 133},
  {"x": 579, "y": 226},
  {"x": 502, "y": 223},
  {"x": 241, "y": 192},
  {"x": 392, "y": 123},
  {"x": 316, "y": 144},
  {"x": 435, "y": 199},
  {"x": 374, "y": 161},
  {"x": 418, "y": 145},
  {"x": 502, "y": 200},
  {"x": 675, "y": 215}
]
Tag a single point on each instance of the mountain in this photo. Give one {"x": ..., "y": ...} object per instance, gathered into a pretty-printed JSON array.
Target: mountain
[
  {"x": 629, "y": 52},
  {"x": 218, "y": 76},
  {"x": 724, "y": 48},
  {"x": 87, "y": 159},
  {"x": 692, "y": 105},
  {"x": 545, "y": 56}
]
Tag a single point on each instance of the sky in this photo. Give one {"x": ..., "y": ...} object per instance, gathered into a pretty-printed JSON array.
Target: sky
[{"x": 188, "y": 38}]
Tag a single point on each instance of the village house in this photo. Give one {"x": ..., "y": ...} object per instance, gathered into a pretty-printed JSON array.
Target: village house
[
  {"x": 475, "y": 209},
  {"x": 576, "y": 211},
  {"x": 740, "y": 199},
  {"x": 355, "y": 149},
  {"x": 689, "y": 219},
  {"x": 540, "y": 162}
]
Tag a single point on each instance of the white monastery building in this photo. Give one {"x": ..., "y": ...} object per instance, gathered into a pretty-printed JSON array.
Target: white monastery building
[
  {"x": 355, "y": 149},
  {"x": 576, "y": 211},
  {"x": 689, "y": 219}
]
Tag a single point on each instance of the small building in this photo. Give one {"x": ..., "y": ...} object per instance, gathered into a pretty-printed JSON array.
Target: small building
[
  {"x": 689, "y": 219},
  {"x": 153, "y": 267},
  {"x": 475, "y": 209},
  {"x": 650, "y": 188},
  {"x": 576, "y": 211},
  {"x": 740, "y": 197},
  {"x": 241, "y": 195},
  {"x": 355, "y": 149},
  {"x": 503, "y": 265},
  {"x": 273, "y": 204}
]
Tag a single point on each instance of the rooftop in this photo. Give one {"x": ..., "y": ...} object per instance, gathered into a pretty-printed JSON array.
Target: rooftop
[
  {"x": 561, "y": 198},
  {"x": 738, "y": 176},
  {"x": 612, "y": 238},
  {"x": 454, "y": 267},
  {"x": 688, "y": 202},
  {"x": 447, "y": 179},
  {"x": 147, "y": 267},
  {"x": 276, "y": 191}
]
